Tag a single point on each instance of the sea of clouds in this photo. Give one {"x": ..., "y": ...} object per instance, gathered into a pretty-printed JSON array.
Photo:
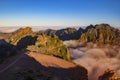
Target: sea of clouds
[{"x": 96, "y": 59}]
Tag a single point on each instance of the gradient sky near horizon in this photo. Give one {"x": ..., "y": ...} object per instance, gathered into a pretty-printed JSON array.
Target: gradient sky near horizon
[{"x": 59, "y": 12}]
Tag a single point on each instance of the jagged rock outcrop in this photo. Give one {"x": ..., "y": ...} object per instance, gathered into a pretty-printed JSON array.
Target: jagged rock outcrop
[
  {"x": 102, "y": 33},
  {"x": 50, "y": 32},
  {"x": 69, "y": 33},
  {"x": 50, "y": 46},
  {"x": 25, "y": 38},
  {"x": 109, "y": 75},
  {"x": 17, "y": 35},
  {"x": 64, "y": 34}
]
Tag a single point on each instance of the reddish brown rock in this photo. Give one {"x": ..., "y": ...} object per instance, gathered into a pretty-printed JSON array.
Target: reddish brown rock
[{"x": 109, "y": 75}]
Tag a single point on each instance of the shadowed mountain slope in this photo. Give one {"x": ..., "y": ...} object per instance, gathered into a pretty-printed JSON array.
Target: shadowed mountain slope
[
  {"x": 6, "y": 50},
  {"x": 36, "y": 66}
]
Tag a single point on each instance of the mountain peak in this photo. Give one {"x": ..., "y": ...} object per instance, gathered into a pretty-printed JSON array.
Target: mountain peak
[{"x": 18, "y": 33}]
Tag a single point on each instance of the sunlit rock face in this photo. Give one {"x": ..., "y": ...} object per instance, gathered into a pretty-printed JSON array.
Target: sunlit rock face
[
  {"x": 101, "y": 34},
  {"x": 109, "y": 75},
  {"x": 18, "y": 34}
]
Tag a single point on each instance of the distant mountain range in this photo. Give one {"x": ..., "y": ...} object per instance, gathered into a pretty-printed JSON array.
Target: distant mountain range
[
  {"x": 101, "y": 33},
  {"x": 10, "y": 29}
]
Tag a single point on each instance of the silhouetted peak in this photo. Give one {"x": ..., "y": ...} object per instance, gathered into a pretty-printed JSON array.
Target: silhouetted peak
[
  {"x": 80, "y": 30},
  {"x": 89, "y": 27}
]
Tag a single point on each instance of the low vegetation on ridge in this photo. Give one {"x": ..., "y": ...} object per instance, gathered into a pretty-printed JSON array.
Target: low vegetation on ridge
[{"x": 26, "y": 39}]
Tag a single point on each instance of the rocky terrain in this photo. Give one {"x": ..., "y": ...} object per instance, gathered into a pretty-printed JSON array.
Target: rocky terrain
[
  {"x": 64, "y": 34},
  {"x": 100, "y": 33},
  {"x": 26, "y": 39},
  {"x": 20, "y": 33},
  {"x": 109, "y": 75},
  {"x": 97, "y": 48}
]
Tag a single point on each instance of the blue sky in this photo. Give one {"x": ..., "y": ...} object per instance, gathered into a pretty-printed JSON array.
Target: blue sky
[{"x": 59, "y": 12}]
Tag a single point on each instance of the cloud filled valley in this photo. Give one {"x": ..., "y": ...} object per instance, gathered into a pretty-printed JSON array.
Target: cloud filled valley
[{"x": 96, "y": 59}]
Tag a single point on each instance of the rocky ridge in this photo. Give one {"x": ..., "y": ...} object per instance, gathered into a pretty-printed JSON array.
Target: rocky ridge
[
  {"x": 100, "y": 33},
  {"x": 26, "y": 39}
]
